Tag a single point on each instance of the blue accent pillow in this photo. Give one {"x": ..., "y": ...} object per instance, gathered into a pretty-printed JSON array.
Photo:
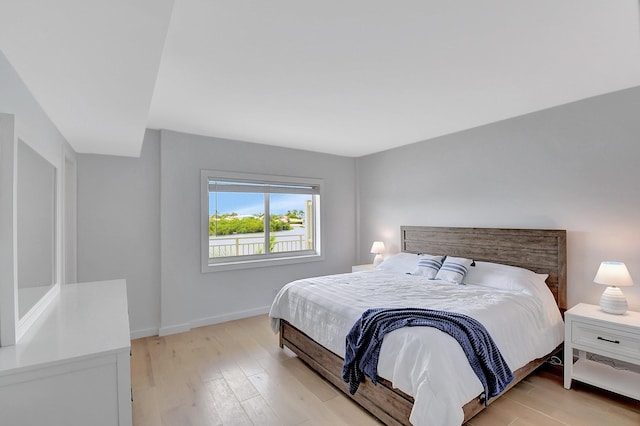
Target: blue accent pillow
[
  {"x": 428, "y": 266},
  {"x": 453, "y": 269}
]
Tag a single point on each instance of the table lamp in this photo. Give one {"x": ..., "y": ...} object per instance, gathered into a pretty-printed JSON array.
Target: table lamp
[
  {"x": 613, "y": 275},
  {"x": 378, "y": 249}
]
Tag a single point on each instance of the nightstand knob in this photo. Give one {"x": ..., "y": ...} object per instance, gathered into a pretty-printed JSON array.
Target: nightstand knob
[{"x": 607, "y": 340}]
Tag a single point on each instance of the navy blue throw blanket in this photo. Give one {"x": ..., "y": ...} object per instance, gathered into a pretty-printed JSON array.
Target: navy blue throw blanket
[{"x": 365, "y": 339}]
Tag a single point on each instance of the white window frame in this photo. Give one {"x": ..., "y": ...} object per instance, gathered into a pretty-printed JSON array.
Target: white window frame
[{"x": 256, "y": 261}]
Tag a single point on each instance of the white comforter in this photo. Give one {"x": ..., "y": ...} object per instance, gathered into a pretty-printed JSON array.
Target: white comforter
[{"x": 421, "y": 361}]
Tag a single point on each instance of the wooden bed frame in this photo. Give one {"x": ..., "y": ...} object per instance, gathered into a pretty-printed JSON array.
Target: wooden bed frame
[{"x": 542, "y": 251}]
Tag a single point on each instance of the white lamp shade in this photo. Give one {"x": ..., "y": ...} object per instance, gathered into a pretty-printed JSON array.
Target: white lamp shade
[
  {"x": 377, "y": 247},
  {"x": 613, "y": 274}
]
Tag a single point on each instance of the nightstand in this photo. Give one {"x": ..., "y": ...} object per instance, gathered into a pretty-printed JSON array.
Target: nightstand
[
  {"x": 590, "y": 330},
  {"x": 360, "y": 268}
]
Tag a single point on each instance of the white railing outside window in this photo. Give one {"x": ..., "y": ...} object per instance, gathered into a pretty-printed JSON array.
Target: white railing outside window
[{"x": 243, "y": 245}]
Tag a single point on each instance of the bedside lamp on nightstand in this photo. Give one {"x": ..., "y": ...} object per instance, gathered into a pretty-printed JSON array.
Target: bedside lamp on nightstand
[
  {"x": 613, "y": 275},
  {"x": 378, "y": 249}
]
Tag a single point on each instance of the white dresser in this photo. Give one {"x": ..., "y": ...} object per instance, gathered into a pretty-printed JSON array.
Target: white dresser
[{"x": 72, "y": 366}]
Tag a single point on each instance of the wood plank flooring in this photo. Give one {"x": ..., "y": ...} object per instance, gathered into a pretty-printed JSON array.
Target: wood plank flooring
[{"x": 235, "y": 374}]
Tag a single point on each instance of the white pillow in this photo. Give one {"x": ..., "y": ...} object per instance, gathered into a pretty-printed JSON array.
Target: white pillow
[
  {"x": 454, "y": 269},
  {"x": 505, "y": 277},
  {"x": 512, "y": 278},
  {"x": 428, "y": 265},
  {"x": 401, "y": 262}
]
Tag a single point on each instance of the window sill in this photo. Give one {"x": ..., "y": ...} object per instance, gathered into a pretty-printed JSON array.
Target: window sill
[{"x": 260, "y": 263}]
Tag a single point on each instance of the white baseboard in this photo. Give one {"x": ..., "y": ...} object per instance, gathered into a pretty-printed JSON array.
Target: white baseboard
[
  {"x": 181, "y": 328},
  {"x": 230, "y": 317},
  {"x": 145, "y": 332},
  {"x": 174, "y": 329}
]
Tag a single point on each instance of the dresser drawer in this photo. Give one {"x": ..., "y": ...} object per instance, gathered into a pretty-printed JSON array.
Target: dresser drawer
[{"x": 603, "y": 338}]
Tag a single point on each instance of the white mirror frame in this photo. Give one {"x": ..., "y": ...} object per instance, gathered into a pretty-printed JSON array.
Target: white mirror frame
[{"x": 12, "y": 327}]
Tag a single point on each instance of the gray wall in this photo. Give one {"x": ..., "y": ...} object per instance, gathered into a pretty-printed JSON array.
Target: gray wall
[
  {"x": 139, "y": 219},
  {"x": 191, "y": 297},
  {"x": 119, "y": 227},
  {"x": 573, "y": 167}
]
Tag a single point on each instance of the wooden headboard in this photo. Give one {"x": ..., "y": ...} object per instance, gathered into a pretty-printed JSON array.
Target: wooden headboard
[{"x": 540, "y": 250}]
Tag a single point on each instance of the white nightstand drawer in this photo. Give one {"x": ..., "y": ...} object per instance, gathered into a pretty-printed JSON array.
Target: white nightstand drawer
[{"x": 603, "y": 338}]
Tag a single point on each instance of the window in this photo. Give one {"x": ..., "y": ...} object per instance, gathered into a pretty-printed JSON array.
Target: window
[{"x": 256, "y": 220}]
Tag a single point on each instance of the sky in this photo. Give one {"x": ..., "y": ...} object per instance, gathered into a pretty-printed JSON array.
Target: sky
[{"x": 246, "y": 203}]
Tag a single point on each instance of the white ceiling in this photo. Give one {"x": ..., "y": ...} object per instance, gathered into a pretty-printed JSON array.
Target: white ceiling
[{"x": 348, "y": 77}]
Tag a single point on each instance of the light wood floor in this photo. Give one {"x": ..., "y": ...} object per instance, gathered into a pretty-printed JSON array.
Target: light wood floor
[{"x": 235, "y": 374}]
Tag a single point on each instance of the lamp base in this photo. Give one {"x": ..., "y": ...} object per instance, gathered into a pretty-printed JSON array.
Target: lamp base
[
  {"x": 377, "y": 260},
  {"x": 613, "y": 301}
]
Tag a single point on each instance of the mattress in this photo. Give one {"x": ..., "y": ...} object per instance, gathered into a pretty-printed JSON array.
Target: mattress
[{"x": 423, "y": 362}]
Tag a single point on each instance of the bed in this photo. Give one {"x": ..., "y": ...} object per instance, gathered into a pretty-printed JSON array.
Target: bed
[{"x": 408, "y": 381}]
